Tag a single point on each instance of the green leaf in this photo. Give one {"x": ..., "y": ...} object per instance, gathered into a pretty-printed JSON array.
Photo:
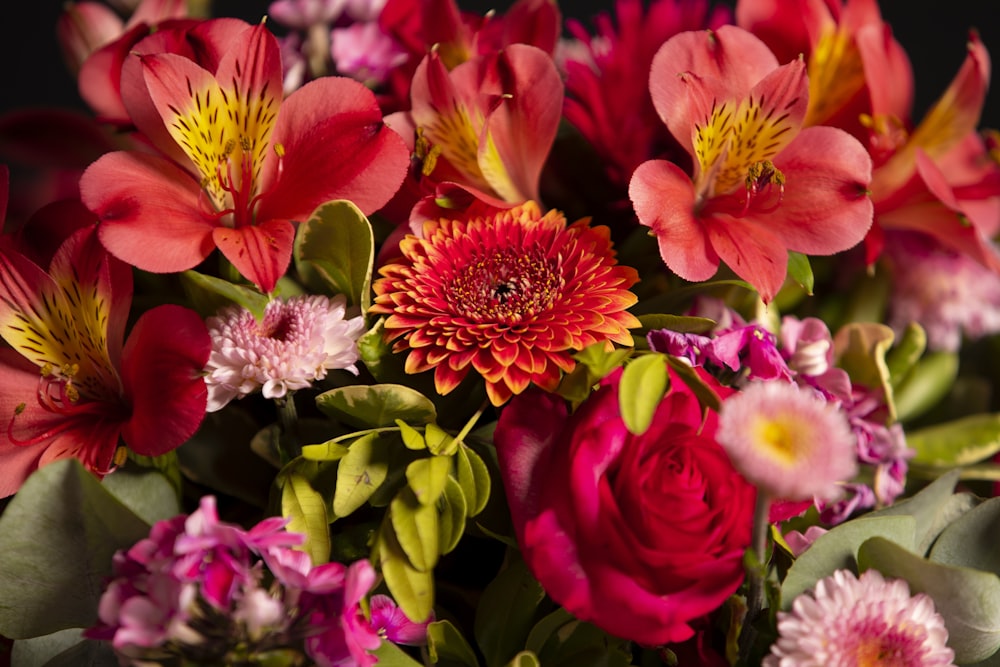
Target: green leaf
[
  {"x": 524, "y": 659},
  {"x": 971, "y": 539},
  {"x": 337, "y": 242},
  {"x": 427, "y": 478},
  {"x": 474, "y": 478},
  {"x": 956, "y": 443},
  {"x": 967, "y": 599},
  {"x": 860, "y": 349},
  {"x": 416, "y": 528},
  {"x": 57, "y": 538},
  {"x": 933, "y": 507},
  {"x": 65, "y": 648},
  {"x": 447, "y": 645},
  {"x": 705, "y": 394},
  {"x": 306, "y": 510},
  {"x": 412, "y": 438},
  {"x": 801, "y": 271},
  {"x": 837, "y": 550},
  {"x": 906, "y": 352},
  {"x": 679, "y": 323},
  {"x": 214, "y": 293},
  {"x": 376, "y": 406},
  {"x": 439, "y": 441},
  {"x": 543, "y": 630},
  {"x": 925, "y": 385},
  {"x": 453, "y": 513},
  {"x": 146, "y": 492},
  {"x": 377, "y": 354},
  {"x": 644, "y": 382},
  {"x": 390, "y": 655},
  {"x": 506, "y": 612},
  {"x": 360, "y": 473},
  {"x": 331, "y": 450},
  {"x": 412, "y": 589}
]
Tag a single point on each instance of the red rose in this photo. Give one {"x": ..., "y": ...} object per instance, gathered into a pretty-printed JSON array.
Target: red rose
[{"x": 638, "y": 534}]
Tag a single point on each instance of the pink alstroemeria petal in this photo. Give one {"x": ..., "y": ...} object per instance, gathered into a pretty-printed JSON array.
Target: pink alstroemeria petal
[
  {"x": 664, "y": 200},
  {"x": 752, "y": 251},
  {"x": 161, "y": 372},
  {"x": 162, "y": 230},
  {"x": 730, "y": 60}
]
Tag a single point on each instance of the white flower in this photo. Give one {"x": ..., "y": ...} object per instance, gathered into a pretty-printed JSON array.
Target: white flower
[{"x": 296, "y": 343}]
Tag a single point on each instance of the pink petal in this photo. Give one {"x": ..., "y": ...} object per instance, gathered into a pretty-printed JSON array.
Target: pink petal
[
  {"x": 825, "y": 208},
  {"x": 149, "y": 211},
  {"x": 664, "y": 200},
  {"x": 752, "y": 251},
  {"x": 336, "y": 147},
  {"x": 161, "y": 373},
  {"x": 261, "y": 253},
  {"x": 100, "y": 77},
  {"x": 730, "y": 61}
]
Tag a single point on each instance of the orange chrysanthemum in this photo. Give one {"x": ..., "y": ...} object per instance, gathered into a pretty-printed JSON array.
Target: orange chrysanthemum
[{"x": 511, "y": 295}]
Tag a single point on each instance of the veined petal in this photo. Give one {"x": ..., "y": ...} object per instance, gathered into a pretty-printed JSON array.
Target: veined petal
[
  {"x": 336, "y": 147},
  {"x": 45, "y": 322},
  {"x": 825, "y": 207},
  {"x": 519, "y": 133},
  {"x": 261, "y": 253},
  {"x": 664, "y": 200},
  {"x": 196, "y": 114},
  {"x": 950, "y": 119},
  {"x": 751, "y": 251},
  {"x": 887, "y": 71},
  {"x": 149, "y": 212},
  {"x": 730, "y": 61},
  {"x": 760, "y": 127},
  {"x": 161, "y": 370}
]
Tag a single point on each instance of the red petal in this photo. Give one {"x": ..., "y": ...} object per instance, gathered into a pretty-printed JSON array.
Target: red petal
[
  {"x": 752, "y": 252},
  {"x": 149, "y": 212},
  {"x": 664, "y": 200},
  {"x": 162, "y": 375},
  {"x": 261, "y": 253},
  {"x": 336, "y": 147}
]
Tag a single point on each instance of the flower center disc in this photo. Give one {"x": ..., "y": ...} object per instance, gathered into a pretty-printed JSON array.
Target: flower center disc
[{"x": 505, "y": 286}]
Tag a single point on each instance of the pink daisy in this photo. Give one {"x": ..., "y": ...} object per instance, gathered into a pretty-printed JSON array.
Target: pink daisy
[
  {"x": 849, "y": 621},
  {"x": 788, "y": 440}
]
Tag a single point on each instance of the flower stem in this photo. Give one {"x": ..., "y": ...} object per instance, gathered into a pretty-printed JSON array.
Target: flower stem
[
  {"x": 756, "y": 571},
  {"x": 289, "y": 440},
  {"x": 472, "y": 422}
]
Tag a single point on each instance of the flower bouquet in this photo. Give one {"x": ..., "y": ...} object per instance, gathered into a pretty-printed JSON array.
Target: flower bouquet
[{"x": 383, "y": 332}]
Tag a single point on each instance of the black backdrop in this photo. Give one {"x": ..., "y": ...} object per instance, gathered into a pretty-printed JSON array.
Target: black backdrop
[{"x": 933, "y": 33}]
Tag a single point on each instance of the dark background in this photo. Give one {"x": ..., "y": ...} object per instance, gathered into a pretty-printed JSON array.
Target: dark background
[{"x": 933, "y": 33}]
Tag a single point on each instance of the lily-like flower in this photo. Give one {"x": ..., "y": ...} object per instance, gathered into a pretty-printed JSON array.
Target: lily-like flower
[
  {"x": 252, "y": 163},
  {"x": 69, "y": 388},
  {"x": 761, "y": 185},
  {"x": 487, "y": 125}
]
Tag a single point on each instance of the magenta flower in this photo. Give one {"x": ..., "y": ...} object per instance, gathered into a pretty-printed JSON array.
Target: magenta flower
[{"x": 390, "y": 622}]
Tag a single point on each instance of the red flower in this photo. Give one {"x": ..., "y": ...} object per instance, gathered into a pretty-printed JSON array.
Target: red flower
[
  {"x": 69, "y": 324},
  {"x": 640, "y": 535},
  {"x": 761, "y": 185},
  {"x": 252, "y": 162},
  {"x": 511, "y": 295}
]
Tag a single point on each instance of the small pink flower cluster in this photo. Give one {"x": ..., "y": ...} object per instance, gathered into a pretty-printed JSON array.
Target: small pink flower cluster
[{"x": 209, "y": 592}]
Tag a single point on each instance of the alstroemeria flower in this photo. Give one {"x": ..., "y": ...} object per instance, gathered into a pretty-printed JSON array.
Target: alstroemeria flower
[
  {"x": 255, "y": 163},
  {"x": 761, "y": 185},
  {"x": 69, "y": 388},
  {"x": 510, "y": 295},
  {"x": 487, "y": 125}
]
